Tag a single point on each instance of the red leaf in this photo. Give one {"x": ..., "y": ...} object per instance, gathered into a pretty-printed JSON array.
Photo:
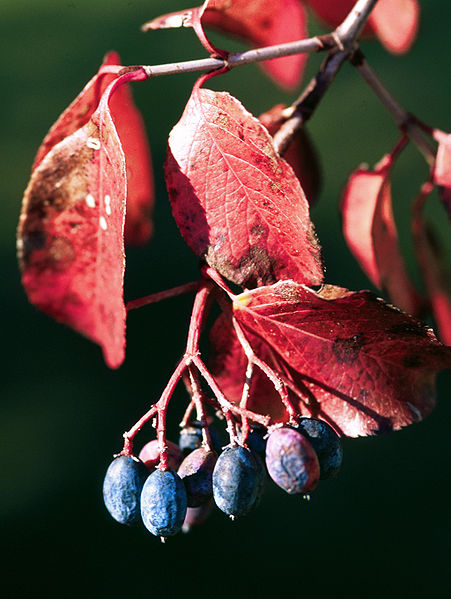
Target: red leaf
[
  {"x": 70, "y": 234},
  {"x": 258, "y": 22},
  {"x": 363, "y": 365},
  {"x": 236, "y": 202},
  {"x": 228, "y": 362},
  {"x": 432, "y": 262},
  {"x": 140, "y": 185},
  {"x": 300, "y": 155},
  {"x": 82, "y": 108},
  {"x": 442, "y": 171},
  {"x": 370, "y": 232},
  {"x": 132, "y": 133},
  {"x": 395, "y": 22}
]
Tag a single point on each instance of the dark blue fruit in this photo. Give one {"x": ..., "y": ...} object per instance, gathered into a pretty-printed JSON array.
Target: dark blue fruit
[
  {"x": 237, "y": 480},
  {"x": 122, "y": 487},
  {"x": 191, "y": 437},
  {"x": 196, "y": 471},
  {"x": 163, "y": 503},
  {"x": 325, "y": 442},
  {"x": 291, "y": 461},
  {"x": 256, "y": 441}
]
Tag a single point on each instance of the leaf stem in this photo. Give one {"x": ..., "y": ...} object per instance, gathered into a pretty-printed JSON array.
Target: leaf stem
[{"x": 162, "y": 295}]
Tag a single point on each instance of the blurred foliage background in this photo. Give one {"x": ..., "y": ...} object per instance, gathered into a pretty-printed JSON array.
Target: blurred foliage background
[{"x": 382, "y": 528}]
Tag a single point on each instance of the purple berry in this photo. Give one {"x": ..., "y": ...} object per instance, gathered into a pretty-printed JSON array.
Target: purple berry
[
  {"x": 291, "y": 461},
  {"x": 150, "y": 455},
  {"x": 197, "y": 515},
  {"x": 326, "y": 444},
  {"x": 163, "y": 503},
  {"x": 196, "y": 471},
  {"x": 122, "y": 487}
]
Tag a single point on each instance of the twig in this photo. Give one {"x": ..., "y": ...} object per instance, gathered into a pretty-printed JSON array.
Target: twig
[
  {"x": 162, "y": 295},
  {"x": 402, "y": 118},
  {"x": 344, "y": 36},
  {"x": 353, "y": 25},
  {"x": 309, "y": 45},
  {"x": 307, "y": 102}
]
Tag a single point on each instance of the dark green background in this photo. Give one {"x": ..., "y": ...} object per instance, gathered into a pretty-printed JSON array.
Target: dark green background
[{"x": 382, "y": 529}]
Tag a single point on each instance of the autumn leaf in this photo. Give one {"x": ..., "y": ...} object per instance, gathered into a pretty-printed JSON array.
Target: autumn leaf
[
  {"x": 79, "y": 112},
  {"x": 258, "y": 22},
  {"x": 394, "y": 22},
  {"x": 370, "y": 231},
  {"x": 140, "y": 184},
  {"x": 236, "y": 202},
  {"x": 442, "y": 171},
  {"x": 357, "y": 362},
  {"x": 70, "y": 235},
  {"x": 300, "y": 154},
  {"x": 228, "y": 363},
  {"x": 432, "y": 262},
  {"x": 131, "y": 130}
]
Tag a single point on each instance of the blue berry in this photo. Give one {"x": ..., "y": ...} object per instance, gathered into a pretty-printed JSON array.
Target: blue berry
[
  {"x": 256, "y": 441},
  {"x": 163, "y": 503},
  {"x": 191, "y": 438},
  {"x": 196, "y": 471},
  {"x": 291, "y": 461},
  {"x": 122, "y": 487},
  {"x": 237, "y": 480},
  {"x": 325, "y": 442}
]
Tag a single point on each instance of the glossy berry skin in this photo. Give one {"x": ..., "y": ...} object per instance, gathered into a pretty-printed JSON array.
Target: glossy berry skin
[
  {"x": 150, "y": 455},
  {"x": 122, "y": 487},
  {"x": 196, "y": 471},
  {"x": 326, "y": 444},
  {"x": 163, "y": 503},
  {"x": 291, "y": 461},
  {"x": 237, "y": 480}
]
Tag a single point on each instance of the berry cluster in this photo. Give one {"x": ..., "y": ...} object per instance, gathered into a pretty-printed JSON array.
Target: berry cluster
[{"x": 168, "y": 501}]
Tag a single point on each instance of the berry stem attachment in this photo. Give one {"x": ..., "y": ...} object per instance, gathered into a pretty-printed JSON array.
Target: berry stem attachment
[{"x": 200, "y": 409}]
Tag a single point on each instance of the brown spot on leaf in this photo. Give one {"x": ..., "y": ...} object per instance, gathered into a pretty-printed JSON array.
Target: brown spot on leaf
[
  {"x": 265, "y": 23},
  {"x": 288, "y": 292},
  {"x": 254, "y": 269},
  {"x": 222, "y": 120},
  {"x": 331, "y": 292},
  {"x": 61, "y": 253},
  {"x": 275, "y": 187},
  {"x": 347, "y": 350},
  {"x": 259, "y": 230}
]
